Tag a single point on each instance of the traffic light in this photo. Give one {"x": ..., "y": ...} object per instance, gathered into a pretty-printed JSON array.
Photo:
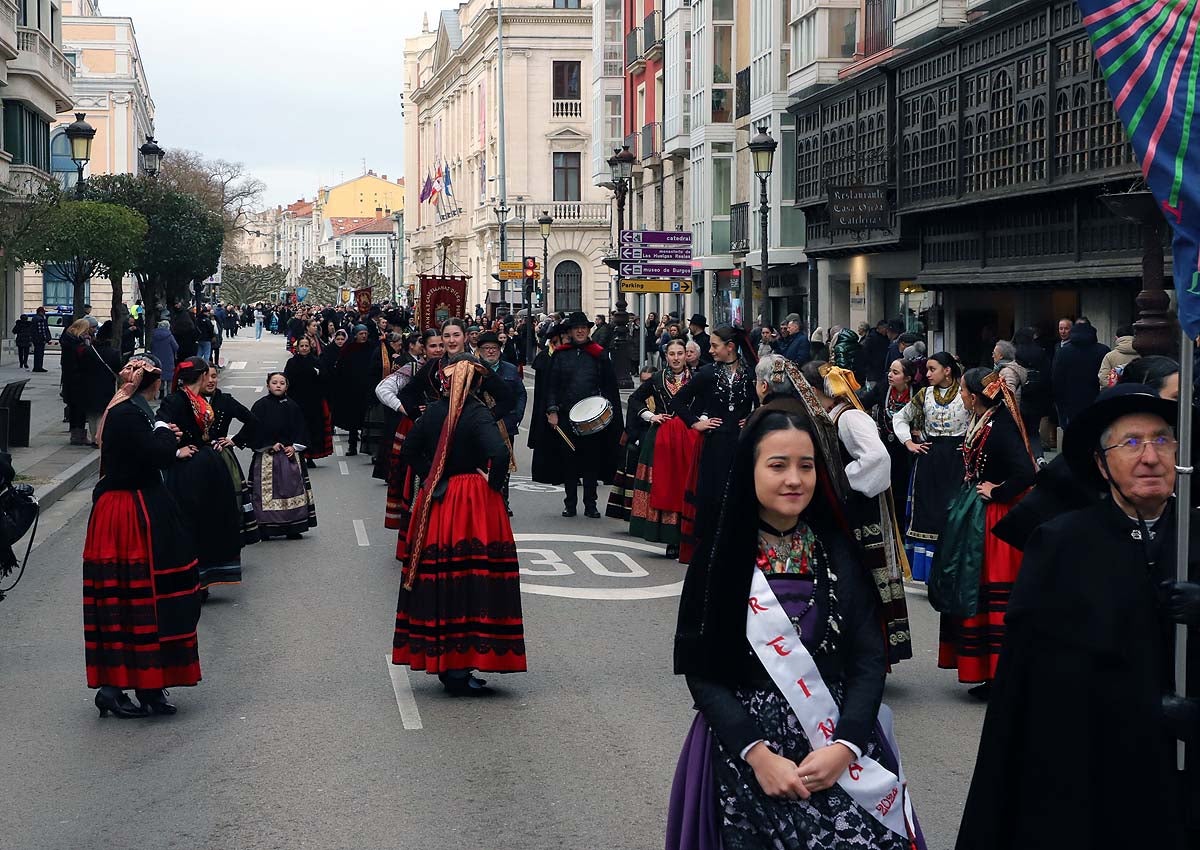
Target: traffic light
[{"x": 531, "y": 269}]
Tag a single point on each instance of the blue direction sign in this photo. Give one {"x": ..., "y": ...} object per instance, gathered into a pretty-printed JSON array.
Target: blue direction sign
[{"x": 656, "y": 237}]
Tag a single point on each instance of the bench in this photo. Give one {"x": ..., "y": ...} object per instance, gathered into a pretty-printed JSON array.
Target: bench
[{"x": 15, "y": 413}]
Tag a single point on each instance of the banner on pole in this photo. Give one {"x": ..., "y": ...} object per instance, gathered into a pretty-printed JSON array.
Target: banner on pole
[
  {"x": 441, "y": 298},
  {"x": 1150, "y": 58},
  {"x": 362, "y": 299}
]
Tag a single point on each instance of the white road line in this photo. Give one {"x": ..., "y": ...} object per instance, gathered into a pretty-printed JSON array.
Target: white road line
[
  {"x": 238, "y": 364},
  {"x": 337, "y": 449},
  {"x": 345, "y": 470},
  {"x": 410, "y": 716},
  {"x": 360, "y": 531},
  {"x": 242, "y": 387},
  {"x": 269, "y": 362}
]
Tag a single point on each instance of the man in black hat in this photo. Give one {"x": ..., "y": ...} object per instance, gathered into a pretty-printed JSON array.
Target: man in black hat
[
  {"x": 1083, "y": 707},
  {"x": 696, "y": 326},
  {"x": 581, "y": 369}
]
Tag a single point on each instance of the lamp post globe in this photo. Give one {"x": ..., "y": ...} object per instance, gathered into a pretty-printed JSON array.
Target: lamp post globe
[
  {"x": 152, "y": 156},
  {"x": 80, "y": 134}
]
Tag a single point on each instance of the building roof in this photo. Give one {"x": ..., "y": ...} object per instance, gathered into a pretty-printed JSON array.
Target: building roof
[
  {"x": 300, "y": 209},
  {"x": 373, "y": 227},
  {"x": 342, "y": 226},
  {"x": 452, "y": 27}
]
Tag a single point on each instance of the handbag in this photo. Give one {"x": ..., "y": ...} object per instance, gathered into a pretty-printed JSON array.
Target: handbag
[{"x": 958, "y": 560}]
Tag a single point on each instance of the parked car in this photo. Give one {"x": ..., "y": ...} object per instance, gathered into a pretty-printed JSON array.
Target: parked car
[{"x": 58, "y": 323}]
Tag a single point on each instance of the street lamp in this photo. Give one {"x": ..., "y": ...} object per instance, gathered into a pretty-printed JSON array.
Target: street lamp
[
  {"x": 152, "y": 156},
  {"x": 80, "y": 135},
  {"x": 621, "y": 168},
  {"x": 366, "y": 249},
  {"x": 502, "y": 212},
  {"x": 544, "y": 223},
  {"x": 346, "y": 269},
  {"x": 393, "y": 241},
  {"x": 762, "y": 149}
]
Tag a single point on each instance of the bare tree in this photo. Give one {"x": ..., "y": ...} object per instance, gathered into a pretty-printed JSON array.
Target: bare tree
[{"x": 223, "y": 187}]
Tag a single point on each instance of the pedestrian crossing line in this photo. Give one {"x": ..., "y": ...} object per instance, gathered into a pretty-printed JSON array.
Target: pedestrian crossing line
[
  {"x": 360, "y": 531},
  {"x": 406, "y": 701},
  {"x": 343, "y": 468},
  {"x": 338, "y": 450},
  {"x": 237, "y": 364}
]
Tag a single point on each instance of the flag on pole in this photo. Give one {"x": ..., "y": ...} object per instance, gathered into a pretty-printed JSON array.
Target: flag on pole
[
  {"x": 437, "y": 183},
  {"x": 427, "y": 189},
  {"x": 446, "y": 187},
  {"x": 1148, "y": 52}
]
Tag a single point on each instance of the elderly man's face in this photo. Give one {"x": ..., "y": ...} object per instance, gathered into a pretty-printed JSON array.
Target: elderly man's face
[
  {"x": 1064, "y": 329},
  {"x": 489, "y": 352},
  {"x": 1142, "y": 471}
]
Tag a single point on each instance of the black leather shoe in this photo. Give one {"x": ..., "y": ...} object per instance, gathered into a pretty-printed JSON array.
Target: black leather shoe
[
  {"x": 118, "y": 704},
  {"x": 155, "y": 702},
  {"x": 591, "y": 512},
  {"x": 568, "y": 512}
]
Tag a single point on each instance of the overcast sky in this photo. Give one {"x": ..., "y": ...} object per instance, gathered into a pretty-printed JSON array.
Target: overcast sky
[{"x": 301, "y": 91}]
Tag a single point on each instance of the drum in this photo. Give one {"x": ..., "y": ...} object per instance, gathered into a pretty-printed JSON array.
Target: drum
[{"x": 590, "y": 416}]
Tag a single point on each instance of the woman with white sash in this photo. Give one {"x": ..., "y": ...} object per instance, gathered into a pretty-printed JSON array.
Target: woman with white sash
[{"x": 779, "y": 639}]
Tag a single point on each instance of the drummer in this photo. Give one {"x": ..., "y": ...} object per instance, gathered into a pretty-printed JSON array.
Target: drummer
[{"x": 579, "y": 370}]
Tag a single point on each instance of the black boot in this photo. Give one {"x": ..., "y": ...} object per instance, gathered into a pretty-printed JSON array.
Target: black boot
[
  {"x": 155, "y": 702},
  {"x": 352, "y": 444},
  {"x": 115, "y": 701}
]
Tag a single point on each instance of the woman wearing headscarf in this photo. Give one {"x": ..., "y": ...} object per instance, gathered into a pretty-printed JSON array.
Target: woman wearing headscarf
[
  {"x": 226, "y": 409},
  {"x": 387, "y": 392},
  {"x": 459, "y": 608},
  {"x": 141, "y": 590},
  {"x": 401, "y": 483},
  {"x": 931, "y": 427},
  {"x": 428, "y": 382},
  {"x": 306, "y": 387},
  {"x": 973, "y": 570},
  {"x": 198, "y": 474},
  {"x": 667, "y": 454},
  {"x": 379, "y": 422},
  {"x": 715, "y": 402},
  {"x": 357, "y": 371},
  {"x": 779, "y": 641},
  {"x": 279, "y": 484}
]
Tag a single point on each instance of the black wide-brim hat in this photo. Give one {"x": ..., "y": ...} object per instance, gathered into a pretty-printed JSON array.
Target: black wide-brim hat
[
  {"x": 577, "y": 319},
  {"x": 699, "y": 320},
  {"x": 1081, "y": 440},
  {"x": 487, "y": 337}
]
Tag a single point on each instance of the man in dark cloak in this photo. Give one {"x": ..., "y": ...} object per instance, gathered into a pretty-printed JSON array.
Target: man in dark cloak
[
  {"x": 581, "y": 369},
  {"x": 549, "y": 448},
  {"x": 1079, "y": 744}
]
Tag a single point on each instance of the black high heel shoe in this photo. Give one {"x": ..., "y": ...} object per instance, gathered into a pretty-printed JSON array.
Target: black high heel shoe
[
  {"x": 155, "y": 702},
  {"x": 118, "y": 704}
]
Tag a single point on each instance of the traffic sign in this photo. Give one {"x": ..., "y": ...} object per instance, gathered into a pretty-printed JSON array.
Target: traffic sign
[
  {"x": 656, "y": 253},
  {"x": 656, "y": 270},
  {"x": 674, "y": 287},
  {"x": 514, "y": 270},
  {"x": 656, "y": 237},
  {"x": 510, "y": 265},
  {"x": 511, "y": 275}
]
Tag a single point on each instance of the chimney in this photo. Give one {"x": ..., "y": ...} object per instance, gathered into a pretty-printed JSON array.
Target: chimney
[
  {"x": 384, "y": 177},
  {"x": 378, "y": 213}
]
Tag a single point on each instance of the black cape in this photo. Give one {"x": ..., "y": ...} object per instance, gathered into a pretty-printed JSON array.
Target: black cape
[
  {"x": 1073, "y": 753},
  {"x": 549, "y": 449}
]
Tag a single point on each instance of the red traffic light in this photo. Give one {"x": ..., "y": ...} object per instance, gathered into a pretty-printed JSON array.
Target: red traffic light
[{"x": 530, "y": 268}]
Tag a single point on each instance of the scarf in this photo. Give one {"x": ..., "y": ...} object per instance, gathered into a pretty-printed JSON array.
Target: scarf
[
  {"x": 202, "y": 411},
  {"x": 130, "y": 378}
]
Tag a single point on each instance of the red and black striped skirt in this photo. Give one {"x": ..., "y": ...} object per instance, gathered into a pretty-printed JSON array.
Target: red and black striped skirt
[
  {"x": 141, "y": 593},
  {"x": 400, "y": 490},
  {"x": 464, "y": 611},
  {"x": 972, "y": 645},
  {"x": 323, "y": 442}
]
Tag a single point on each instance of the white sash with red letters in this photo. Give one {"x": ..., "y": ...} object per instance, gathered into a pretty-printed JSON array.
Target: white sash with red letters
[{"x": 792, "y": 668}]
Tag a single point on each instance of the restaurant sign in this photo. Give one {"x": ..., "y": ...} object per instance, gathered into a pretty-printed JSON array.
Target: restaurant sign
[{"x": 858, "y": 207}]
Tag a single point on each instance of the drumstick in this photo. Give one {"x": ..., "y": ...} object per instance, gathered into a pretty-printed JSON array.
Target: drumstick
[{"x": 566, "y": 439}]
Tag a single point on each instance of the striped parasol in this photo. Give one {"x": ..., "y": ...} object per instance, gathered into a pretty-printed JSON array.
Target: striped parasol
[{"x": 1149, "y": 55}]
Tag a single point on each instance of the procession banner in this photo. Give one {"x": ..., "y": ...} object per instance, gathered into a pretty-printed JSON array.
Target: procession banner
[
  {"x": 362, "y": 299},
  {"x": 1148, "y": 52},
  {"x": 441, "y": 298}
]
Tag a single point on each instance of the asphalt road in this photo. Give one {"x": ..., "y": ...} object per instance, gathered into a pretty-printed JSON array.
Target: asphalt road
[{"x": 302, "y": 735}]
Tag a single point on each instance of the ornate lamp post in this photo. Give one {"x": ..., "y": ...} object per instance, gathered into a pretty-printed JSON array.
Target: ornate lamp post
[
  {"x": 502, "y": 212},
  {"x": 762, "y": 149},
  {"x": 621, "y": 168},
  {"x": 152, "y": 156},
  {"x": 392, "y": 242},
  {"x": 544, "y": 223},
  {"x": 1155, "y": 331},
  {"x": 346, "y": 269},
  {"x": 80, "y": 134},
  {"x": 366, "y": 249}
]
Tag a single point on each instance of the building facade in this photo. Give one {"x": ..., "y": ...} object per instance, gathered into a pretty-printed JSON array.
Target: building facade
[
  {"x": 453, "y": 124},
  {"x": 991, "y": 145},
  {"x": 38, "y": 83}
]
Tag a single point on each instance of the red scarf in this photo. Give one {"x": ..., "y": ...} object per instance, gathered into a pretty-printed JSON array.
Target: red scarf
[
  {"x": 201, "y": 410},
  {"x": 592, "y": 348}
]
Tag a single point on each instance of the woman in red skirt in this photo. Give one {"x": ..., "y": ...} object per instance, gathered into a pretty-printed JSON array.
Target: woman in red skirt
[
  {"x": 141, "y": 587},
  {"x": 460, "y": 599},
  {"x": 1001, "y": 468}
]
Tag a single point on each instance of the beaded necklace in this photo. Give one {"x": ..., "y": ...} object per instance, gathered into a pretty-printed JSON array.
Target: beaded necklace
[
  {"x": 728, "y": 375},
  {"x": 803, "y": 554}
]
